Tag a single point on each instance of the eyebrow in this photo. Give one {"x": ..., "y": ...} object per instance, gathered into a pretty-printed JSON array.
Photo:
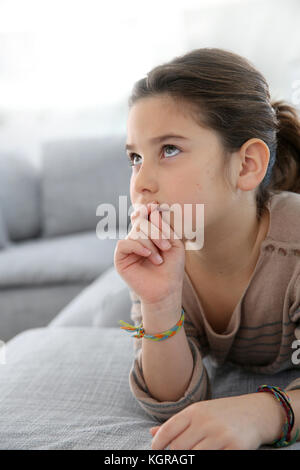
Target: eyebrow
[{"x": 159, "y": 139}]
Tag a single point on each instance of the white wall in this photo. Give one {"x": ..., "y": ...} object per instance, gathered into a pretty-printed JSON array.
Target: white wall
[{"x": 67, "y": 67}]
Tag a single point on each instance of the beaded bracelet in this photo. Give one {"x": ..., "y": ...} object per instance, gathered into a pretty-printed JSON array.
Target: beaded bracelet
[
  {"x": 285, "y": 437},
  {"x": 159, "y": 337}
]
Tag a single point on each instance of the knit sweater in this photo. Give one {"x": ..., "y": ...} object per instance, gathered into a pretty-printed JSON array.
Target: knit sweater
[{"x": 263, "y": 325}]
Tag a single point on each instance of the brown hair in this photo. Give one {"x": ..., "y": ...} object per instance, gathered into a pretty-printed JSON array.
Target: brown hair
[{"x": 226, "y": 93}]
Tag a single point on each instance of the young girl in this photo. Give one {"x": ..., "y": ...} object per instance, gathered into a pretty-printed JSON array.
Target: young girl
[{"x": 238, "y": 297}]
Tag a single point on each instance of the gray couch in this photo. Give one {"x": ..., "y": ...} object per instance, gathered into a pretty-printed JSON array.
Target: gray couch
[
  {"x": 49, "y": 251},
  {"x": 64, "y": 385}
]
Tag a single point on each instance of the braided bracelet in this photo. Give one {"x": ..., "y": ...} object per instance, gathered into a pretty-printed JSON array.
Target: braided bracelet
[
  {"x": 285, "y": 437},
  {"x": 159, "y": 337}
]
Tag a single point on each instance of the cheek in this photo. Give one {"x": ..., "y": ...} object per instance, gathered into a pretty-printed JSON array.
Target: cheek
[
  {"x": 202, "y": 181},
  {"x": 207, "y": 184},
  {"x": 191, "y": 220},
  {"x": 132, "y": 191}
]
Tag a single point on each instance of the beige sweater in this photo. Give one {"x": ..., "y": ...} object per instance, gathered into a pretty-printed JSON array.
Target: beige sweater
[{"x": 264, "y": 323}]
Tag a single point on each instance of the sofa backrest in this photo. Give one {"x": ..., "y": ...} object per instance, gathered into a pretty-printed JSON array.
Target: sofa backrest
[
  {"x": 19, "y": 196},
  {"x": 78, "y": 175},
  {"x": 4, "y": 239},
  {"x": 61, "y": 195}
]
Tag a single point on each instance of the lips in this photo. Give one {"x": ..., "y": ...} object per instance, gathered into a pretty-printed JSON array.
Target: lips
[
  {"x": 158, "y": 208},
  {"x": 155, "y": 203}
]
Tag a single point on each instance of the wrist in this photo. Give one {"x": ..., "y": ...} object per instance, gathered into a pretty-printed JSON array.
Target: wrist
[
  {"x": 271, "y": 417},
  {"x": 162, "y": 307},
  {"x": 158, "y": 318}
]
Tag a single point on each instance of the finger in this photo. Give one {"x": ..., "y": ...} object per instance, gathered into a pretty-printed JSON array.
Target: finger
[
  {"x": 154, "y": 430},
  {"x": 154, "y": 233},
  {"x": 140, "y": 230},
  {"x": 150, "y": 213},
  {"x": 141, "y": 218},
  {"x": 209, "y": 443},
  {"x": 146, "y": 229},
  {"x": 142, "y": 238},
  {"x": 138, "y": 213},
  {"x": 161, "y": 216},
  {"x": 166, "y": 221},
  {"x": 187, "y": 439},
  {"x": 140, "y": 210},
  {"x": 131, "y": 246},
  {"x": 170, "y": 430},
  {"x": 165, "y": 231}
]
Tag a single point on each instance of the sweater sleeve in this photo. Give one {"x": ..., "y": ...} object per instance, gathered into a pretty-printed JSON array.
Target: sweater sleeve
[
  {"x": 295, "y": 317},
  {"x": 198, "y": 388}
]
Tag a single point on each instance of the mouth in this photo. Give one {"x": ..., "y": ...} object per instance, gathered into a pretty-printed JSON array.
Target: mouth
[{"x": 159, "y": 207}]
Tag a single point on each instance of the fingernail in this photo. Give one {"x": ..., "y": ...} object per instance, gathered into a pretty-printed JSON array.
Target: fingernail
[
  {"x": 165, "y": 244},
  {"x": 158, "y": 258}
]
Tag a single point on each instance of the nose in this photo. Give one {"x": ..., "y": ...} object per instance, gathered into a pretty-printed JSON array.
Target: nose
[{"x": 145, "y": 181}]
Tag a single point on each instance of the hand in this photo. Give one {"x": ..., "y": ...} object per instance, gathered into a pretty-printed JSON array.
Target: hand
[
  {"x": 152, "y": 282},
  {"x": 231, "y": 423}
]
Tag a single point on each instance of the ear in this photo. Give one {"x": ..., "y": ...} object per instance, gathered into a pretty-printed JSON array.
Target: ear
[{"x": 252, "y": 163}]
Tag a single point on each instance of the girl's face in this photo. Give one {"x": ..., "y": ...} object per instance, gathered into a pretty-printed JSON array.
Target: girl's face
[{"x": 187, "y": 170}]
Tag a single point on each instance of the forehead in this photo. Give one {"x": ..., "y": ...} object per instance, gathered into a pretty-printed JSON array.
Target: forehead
[{"x": 158, "y": 115}]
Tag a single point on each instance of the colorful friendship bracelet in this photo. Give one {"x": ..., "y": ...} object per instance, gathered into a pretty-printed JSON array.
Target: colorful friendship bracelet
[
  {"x": 285, "y": 437},
  {"x": 159, "y": 337}
]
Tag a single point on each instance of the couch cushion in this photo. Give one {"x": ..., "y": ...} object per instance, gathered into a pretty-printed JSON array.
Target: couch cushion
[
  {"x": 77, "y": 176},
  {"x": 4, "y": 240},
  {"x": 20, "y": 196},
  {"x": 67, "y": 388},
  {"x": 114, "y": 307},
  {"x": 24, "y": 307},
  {"x": 80, "y": 257},
  {"x": 102, "y": 303}
]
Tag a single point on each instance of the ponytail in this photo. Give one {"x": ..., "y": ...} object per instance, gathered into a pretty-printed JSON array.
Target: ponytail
[{"x": 286, "y": 170}]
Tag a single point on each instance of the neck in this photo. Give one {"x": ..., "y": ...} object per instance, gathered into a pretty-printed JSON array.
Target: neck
[{"x": 232, "y": 247}]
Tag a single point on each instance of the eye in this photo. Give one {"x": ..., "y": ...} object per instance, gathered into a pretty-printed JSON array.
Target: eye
[
  {"x": 131, "y": 156},
  {"x": 171, "y": 146}
]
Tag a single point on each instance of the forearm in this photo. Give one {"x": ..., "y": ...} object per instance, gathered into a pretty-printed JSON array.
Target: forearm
[{"x": 168, "y": 364}]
